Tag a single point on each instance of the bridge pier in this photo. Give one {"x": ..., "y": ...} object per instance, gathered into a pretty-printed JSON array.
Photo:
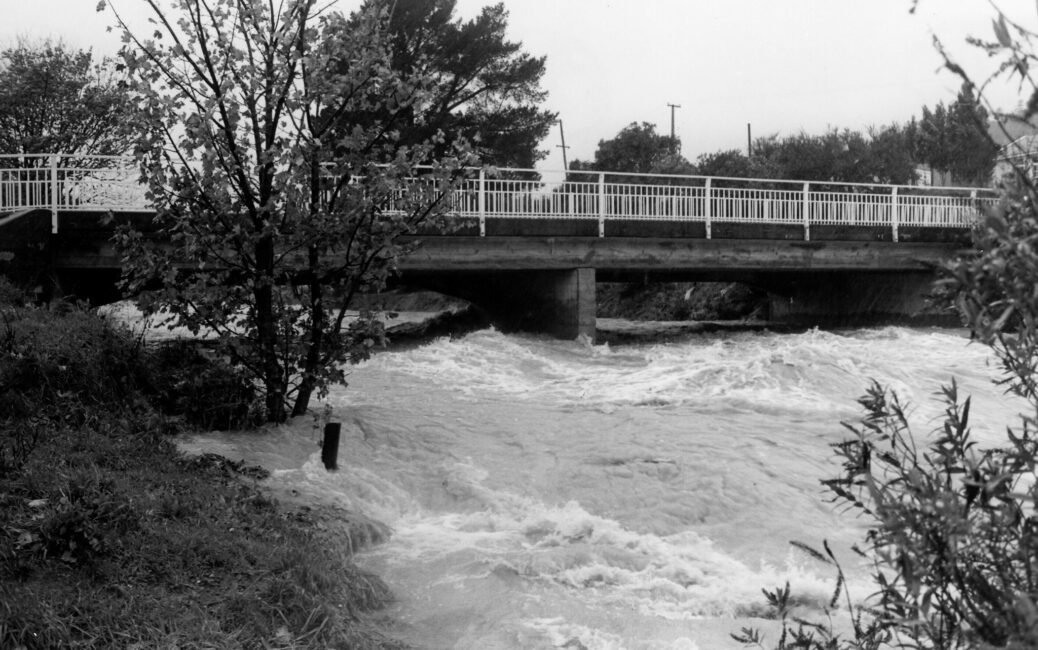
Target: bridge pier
[
  {"x": 556, "y": 302},
  {"x": 852, "y": 298}
]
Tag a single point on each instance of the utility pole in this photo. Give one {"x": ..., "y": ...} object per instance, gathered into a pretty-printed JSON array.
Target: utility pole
[
  {"x": 673, "y": 141},
  {"x": 749, "y": 141},
  {"x": 562, "y": 134}
]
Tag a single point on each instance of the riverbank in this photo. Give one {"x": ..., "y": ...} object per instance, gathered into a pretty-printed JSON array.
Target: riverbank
[{"x": 111, "y": 537}]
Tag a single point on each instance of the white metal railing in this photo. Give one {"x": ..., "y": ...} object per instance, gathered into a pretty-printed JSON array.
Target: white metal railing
[
  {"x": 59, "y": 183},
  {"x": 68, "y": 182}
]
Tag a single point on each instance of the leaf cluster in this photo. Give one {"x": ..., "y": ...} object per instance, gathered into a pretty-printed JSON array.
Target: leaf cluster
[
  {"x": 55, "y": 99},
  {"x": 955, "y": 138},
  {"x": 483, "y": 88},
  {"x": 637, "y": 148}
]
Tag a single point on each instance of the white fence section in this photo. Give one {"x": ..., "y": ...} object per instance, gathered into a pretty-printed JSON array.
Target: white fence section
[{"x": 59, "y": 183}]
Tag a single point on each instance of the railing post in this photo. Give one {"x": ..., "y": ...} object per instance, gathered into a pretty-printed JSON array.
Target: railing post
[
  {"x": 807, "y": 212},
  {"x": 482, "y": 201},
  {"x": 601, "y": 204},
  {"x": 893, "y": 213},
  {"x": 708, "y": 206},
  {"x": 54, "y": 194}
]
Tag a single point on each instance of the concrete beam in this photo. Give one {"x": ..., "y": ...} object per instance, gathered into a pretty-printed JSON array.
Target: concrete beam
[{"x": 645, "y": 255}]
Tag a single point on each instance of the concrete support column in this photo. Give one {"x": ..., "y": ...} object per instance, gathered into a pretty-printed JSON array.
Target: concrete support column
[
  {"x": 560, "y": 303},
  {"x": 574, "y": 297}
]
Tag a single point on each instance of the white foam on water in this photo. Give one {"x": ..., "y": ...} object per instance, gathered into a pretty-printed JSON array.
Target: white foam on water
[
  {"x": 547, "y": 494},
  {"x": 812, "y": 372}
]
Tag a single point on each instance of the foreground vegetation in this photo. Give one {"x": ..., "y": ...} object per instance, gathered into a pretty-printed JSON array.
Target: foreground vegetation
[{"x": 111, "y": 538}]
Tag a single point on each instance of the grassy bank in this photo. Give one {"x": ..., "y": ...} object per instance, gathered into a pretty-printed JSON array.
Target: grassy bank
[{"x": 111, "y": 538}]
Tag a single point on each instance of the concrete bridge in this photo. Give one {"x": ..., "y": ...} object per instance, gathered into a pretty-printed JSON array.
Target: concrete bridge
[{"x": 529, "y": 248}]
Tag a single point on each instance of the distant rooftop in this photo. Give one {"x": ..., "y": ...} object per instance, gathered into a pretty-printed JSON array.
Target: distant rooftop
[
  {"x": 1023, "y": 147},
  {"x": 1012, "y": 129}
]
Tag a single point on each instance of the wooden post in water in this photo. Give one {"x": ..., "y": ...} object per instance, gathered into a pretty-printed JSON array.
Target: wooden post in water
[{"x": 330, "y": 445}]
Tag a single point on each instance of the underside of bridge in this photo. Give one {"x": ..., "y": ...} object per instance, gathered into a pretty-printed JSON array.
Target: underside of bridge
[
  {"x": 562, "y": 303},
  {"x": 547, "y": 283},
  {"x": 854, "y": 298},
  {"x": 817, "y": 283}
]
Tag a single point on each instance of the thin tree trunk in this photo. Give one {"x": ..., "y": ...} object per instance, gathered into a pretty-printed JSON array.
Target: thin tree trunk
[
  {"x": 266, "y": 331},
  {"x": 315, "y": 348}
]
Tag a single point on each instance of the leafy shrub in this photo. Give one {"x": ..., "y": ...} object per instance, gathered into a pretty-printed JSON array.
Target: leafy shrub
[
  {"x": 11, "y": 295},
  {"x": 51, "y": 358},
  {"x": 87, "y": 522},
  {"x": 18, "y": 439},
  {"x": 208, "y": 392},
  {"x": 57, "y": 368},
  {"x": 953, "y": 535}
]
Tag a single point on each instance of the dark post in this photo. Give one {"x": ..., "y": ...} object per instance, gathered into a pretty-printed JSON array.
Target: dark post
[
  {"x": 673, "y": 140},
  {"x": 562, "y": 134},
  {"x": 749, "y": 141},
  {"x": 330, "y": 445}
]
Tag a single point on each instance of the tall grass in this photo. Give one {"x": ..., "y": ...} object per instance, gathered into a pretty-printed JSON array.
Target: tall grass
[{"x": 111, "y": 538}]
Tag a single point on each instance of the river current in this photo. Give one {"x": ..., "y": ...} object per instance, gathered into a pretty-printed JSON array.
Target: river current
[{"x": 554, "y": 494}]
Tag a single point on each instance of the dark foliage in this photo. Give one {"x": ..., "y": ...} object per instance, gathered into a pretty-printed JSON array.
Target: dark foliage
[
  {"x": 54, "y": 99},
  {"x": 110, "y": 538},
  {"x": 207, "y": 391},
  {"x": 484, "y": 88},
  {"x": 955, "y": 139},
  {"x": 636, "y": 148}
]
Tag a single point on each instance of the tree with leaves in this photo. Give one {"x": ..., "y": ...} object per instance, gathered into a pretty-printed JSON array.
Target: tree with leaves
[
  {"x": 955, "y": 139},
  {"x": 733, "y": 163},
  {"x": 638, "y": 148},
  {"x": 482, "y": 87},
  {"x": 880, "y": 155},
  {"x": 54, "y": 99},
  {"x": 274, "y": 214}
]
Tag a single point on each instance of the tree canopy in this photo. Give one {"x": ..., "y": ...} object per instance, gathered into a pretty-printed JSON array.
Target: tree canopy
[
  {"x": 274, "y": 213},
  {"x": 880, "y": 155},
  {"x": 955, "y": 139},
  {"x": 735, "y": 164},
  {"x": 482, "y": 87},
  {"x": 55, "y": 99},
  {"x": 638, "y": 148}
]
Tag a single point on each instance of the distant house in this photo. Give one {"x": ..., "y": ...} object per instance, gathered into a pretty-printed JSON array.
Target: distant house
[
  {"x": 1018, "y": 142},
  {"x": 927, "y": 176},
  {"x": 1018, "y": 145},
  {"x": 1020, "y": 154}
]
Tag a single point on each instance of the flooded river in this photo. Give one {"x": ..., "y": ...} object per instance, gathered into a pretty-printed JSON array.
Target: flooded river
[{"x": 553, "y": 494}]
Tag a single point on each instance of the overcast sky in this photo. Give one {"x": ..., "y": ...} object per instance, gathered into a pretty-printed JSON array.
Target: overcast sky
[{"x": 781, "y": 65}]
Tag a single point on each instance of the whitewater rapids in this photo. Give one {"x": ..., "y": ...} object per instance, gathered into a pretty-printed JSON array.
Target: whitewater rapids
[{"x": 551, "y": 494}]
